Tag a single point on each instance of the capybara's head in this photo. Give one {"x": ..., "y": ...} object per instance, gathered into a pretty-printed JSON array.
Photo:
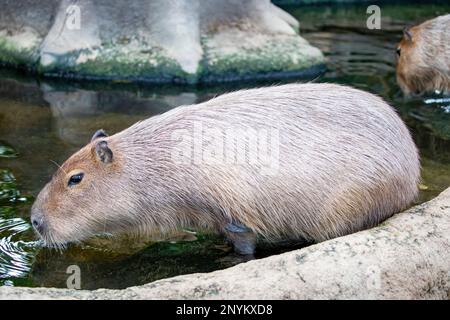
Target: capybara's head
[
  {"x": 79, "y": 201},
  {"x": 407, "y": 59}
]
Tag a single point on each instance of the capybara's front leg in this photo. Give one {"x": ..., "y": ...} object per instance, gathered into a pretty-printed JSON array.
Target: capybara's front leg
[{"x": 242, "y": 238}]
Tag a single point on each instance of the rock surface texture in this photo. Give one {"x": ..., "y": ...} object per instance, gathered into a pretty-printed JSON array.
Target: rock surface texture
[
  {"x": 155, "y": 40},
  {"x": 407, "y": 257}
]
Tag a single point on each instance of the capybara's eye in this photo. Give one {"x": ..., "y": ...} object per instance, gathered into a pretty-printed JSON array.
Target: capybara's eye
[
  {"x": 75, "y": 179},
  {"x": 398, "y": 51}
]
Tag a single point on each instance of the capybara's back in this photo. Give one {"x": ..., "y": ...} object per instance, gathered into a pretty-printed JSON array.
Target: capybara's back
[
  {"x": 424, "y": 57},
  {"x": 299, "y": 161}
]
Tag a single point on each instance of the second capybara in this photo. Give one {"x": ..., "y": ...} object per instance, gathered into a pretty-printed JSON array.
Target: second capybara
[
  {"x": 317, "y": 161},
  {"x": 424, "y": 57}
]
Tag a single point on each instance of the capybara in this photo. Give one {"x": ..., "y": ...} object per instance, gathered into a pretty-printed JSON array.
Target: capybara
[
  {"x": 341, "y": 161},
  {"x": 424, "y": 57}
]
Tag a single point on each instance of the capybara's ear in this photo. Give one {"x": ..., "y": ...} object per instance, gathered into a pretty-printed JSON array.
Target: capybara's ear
[
  {"x": 100, "y": 133},
  {"x": 407, "y": 34},
  {"x": 103, "y": 152}
]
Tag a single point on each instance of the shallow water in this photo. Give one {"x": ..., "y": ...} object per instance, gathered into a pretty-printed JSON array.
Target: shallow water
[{"x": 42, "y": 122}]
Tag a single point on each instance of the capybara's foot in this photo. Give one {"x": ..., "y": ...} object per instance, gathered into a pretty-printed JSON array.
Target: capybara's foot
[{"x": 242, "y": 238}]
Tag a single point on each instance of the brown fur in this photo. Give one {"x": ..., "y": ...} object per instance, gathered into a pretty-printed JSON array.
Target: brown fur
[
  {"x": 346, "y": 162},
  {"x": 424, "y": 61}
]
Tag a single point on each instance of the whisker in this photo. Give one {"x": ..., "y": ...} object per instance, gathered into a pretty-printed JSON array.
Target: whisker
[{"x": 55, "y": 163}]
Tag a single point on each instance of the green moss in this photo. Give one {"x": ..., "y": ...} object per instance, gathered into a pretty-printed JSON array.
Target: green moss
[
  {"x": 111, "y": 62},
  {"x": 280, "y": 55},
  {"x": 13, "y": 55},
  {"x": 137, "y": 60}
]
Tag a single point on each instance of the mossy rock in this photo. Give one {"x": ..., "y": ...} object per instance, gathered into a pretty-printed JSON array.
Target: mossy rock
[{"x": 236, "y": 55}]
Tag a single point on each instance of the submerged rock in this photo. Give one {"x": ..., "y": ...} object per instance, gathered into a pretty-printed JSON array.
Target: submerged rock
[
  {"x": 155, "y": 40},
  {"x": 406, "y": 257}
]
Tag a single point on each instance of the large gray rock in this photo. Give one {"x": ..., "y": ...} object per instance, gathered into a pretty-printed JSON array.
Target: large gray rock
[
  {"x": 155, "y": 40},
  {"x": 407, "y": 257}
]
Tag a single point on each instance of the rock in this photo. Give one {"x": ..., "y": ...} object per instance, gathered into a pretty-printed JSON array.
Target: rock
[
  {"x": 155, "y": 40},
  {"x": 406, "y": 257},
  {"x": 317, "y": 2}
]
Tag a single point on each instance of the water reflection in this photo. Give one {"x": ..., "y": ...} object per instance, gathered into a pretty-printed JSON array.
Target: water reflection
[{"x": 77, "y": 111}]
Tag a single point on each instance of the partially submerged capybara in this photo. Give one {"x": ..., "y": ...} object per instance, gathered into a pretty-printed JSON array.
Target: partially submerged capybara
[
  {"x": 424, "y": 57},
  {"x": 318, "y": 161}
]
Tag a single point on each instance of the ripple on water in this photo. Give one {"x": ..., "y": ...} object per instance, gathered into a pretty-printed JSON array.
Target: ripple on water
[{"x": 16, "y": 256}]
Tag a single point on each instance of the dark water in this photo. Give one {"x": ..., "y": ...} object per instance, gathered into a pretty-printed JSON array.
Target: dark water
[{"x": 42, "y": 122}]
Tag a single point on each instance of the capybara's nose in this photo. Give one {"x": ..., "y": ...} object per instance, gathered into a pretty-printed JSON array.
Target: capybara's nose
[{"x": 37, "y": 220}]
